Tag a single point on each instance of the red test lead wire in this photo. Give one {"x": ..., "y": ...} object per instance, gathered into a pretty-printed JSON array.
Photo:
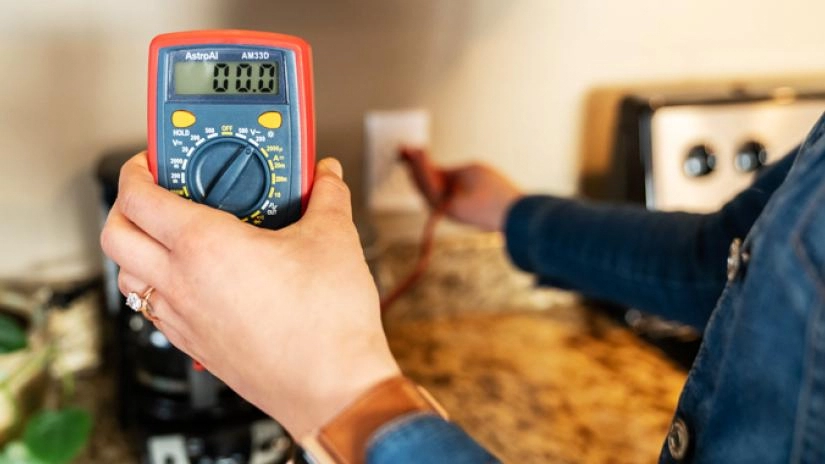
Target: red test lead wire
[{"x": 435, "y": 185}]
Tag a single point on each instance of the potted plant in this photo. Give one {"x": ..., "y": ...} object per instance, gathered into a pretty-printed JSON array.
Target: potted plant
[{"x": 38, "y": 424}]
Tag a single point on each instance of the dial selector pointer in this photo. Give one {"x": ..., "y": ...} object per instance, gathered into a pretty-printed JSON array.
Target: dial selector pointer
[{"x": 229, "y": 174}]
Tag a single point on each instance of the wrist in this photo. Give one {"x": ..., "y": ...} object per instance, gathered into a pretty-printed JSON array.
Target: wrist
[
  {"x": 504, "y": 210},
  {"x": 344, "y": 439},
  {"x": 333, "y": 392}
]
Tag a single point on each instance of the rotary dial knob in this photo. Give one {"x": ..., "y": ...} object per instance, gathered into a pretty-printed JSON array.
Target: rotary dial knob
[
  {"x": 699, "y": 162},
  {"x": 750, "y": 157},
  {"x": 229, "y": 173}
]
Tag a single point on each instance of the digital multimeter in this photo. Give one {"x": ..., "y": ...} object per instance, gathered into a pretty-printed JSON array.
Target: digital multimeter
[{"x": 231, "y": 121}]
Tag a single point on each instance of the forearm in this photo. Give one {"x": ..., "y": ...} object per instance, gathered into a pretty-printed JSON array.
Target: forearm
[
  {"x": 668, "y": 263},
  {"x": 627, "y": 255}
]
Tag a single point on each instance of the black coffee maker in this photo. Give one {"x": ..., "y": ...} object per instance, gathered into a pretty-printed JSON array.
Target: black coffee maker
[{"x": 177, "y": 412}]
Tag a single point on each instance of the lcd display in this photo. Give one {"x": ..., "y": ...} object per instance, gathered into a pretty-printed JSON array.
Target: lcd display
[{"x": 226, "y": 77}]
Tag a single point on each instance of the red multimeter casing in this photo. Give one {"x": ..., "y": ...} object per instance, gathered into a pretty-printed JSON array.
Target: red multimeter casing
[{"x": 231, "y": 121}]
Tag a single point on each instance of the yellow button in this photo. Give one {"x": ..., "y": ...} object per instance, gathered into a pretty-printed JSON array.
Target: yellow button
[
  {"x": 270, "y": 119},
  {"x": 182, "y": 118}
]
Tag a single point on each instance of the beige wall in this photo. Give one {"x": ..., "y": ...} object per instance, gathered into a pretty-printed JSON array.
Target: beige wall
[{"x": 503, "y": 79}]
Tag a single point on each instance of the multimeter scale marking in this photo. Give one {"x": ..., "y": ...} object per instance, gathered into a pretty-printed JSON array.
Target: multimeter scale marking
[{"x": 227, "y": 178}]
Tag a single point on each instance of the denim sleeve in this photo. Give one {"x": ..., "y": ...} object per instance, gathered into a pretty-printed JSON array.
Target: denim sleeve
[
  {"x": 666, "y": 263},
  {"x": 425, "y": 438}
]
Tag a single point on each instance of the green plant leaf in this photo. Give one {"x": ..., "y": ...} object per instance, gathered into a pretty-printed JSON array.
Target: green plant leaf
[
  {"x": 12, "y": 336},
  {"x": 56, "y": 437},
  {"x": 18, "y": 453}
]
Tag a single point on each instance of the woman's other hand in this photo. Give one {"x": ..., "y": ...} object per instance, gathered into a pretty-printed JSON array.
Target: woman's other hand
[{"x": 474, "y": 194}]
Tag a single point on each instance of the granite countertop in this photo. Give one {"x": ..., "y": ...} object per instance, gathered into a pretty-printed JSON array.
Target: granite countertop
[{"x": 531, "y": 373}]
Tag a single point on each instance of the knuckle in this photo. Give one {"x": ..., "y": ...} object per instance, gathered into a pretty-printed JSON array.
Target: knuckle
[
  {"x": 127, "y": 202},
  {"x": 123, "y": 179},
  {"x": 107, "y": 239}
]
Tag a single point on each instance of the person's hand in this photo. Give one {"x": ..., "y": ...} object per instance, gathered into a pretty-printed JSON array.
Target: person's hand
[
  {"x": 289, "y": 319},
  {"x": 475, "y": 194}
]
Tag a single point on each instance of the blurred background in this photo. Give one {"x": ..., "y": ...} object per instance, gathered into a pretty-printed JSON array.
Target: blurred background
[
  {"x": 552, "y": 93},
  {"x": 504, "y": 81}
]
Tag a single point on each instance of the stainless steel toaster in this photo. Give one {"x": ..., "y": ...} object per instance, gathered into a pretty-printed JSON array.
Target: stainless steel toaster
[{"x": 693, "y": 150}]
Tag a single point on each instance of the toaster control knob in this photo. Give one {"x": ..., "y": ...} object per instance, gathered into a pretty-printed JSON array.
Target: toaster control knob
[
  {"x": 750, "y": 157},
  {"x": 700, "y": 161}
]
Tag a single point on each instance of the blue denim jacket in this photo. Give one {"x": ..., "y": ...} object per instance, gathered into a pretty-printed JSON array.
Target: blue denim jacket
[{"x": 756, "y": 391}]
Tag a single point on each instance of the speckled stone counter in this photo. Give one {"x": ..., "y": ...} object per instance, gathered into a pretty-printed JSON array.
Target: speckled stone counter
[{"x": 530, "y": 373}]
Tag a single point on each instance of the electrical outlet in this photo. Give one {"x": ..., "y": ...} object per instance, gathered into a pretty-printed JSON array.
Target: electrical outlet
[{"x": 389, "y": 187}]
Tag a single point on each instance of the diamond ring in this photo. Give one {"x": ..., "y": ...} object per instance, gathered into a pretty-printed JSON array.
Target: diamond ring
[{"x": 142, "y": 304}]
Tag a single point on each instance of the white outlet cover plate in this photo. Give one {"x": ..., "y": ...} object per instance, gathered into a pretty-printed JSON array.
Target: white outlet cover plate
[{"x": 390, "y": 188}]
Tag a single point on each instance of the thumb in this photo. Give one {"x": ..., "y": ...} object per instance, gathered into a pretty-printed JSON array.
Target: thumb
[{"x": 330, "y": 195}]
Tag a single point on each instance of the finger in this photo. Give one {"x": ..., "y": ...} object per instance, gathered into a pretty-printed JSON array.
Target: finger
[
  {"x": 174, "y": 336},
  {"x": 162, "y": 310},
  {"x": 429, "y": 179},
  {"x": 179, "y": 337},
  {"x": 157, "y": 211},
  {"x": 131, "y": 248},
  {"x": 128, "y": 283},
  {"x": 330, "y": 195}
]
